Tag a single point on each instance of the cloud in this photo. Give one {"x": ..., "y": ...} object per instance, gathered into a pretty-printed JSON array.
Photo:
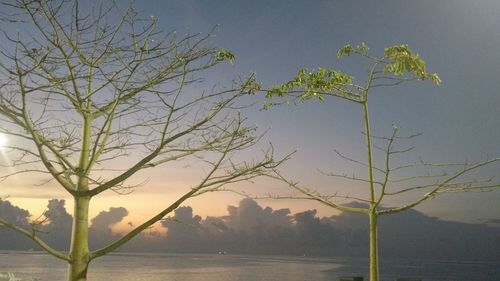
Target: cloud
[
  {"x": 11, "y": 240},
  {"x": 315, "y": 234},
  {"x": 13, "y": 214},
  {"x": 250, "y": 218},
  {"x": 251, "y": 229},
  {"x": 106, "y": 219},
  {"x": 100, "y": 232},
  {"x": 57, "y": 230},
  {"x": 57, "y": 215}
]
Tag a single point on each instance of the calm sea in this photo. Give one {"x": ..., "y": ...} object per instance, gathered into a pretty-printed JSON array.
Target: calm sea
[{"x": 190, "y": 267}]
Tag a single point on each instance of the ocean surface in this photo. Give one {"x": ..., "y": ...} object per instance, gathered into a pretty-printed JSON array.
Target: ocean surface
[{"x": 198, "y": 267}]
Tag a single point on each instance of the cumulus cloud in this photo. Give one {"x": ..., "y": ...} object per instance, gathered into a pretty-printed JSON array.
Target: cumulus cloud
[
  {"x": 252, "y": 229},
  {"x": 57, "y": 230},
  {"x": 15, "y": 215},
  {"x": 106, "y": 219},
  {"x": 100, "y": 232},
  {"x": 250, "y": 218},
  {"x": 58, "y": 217}
]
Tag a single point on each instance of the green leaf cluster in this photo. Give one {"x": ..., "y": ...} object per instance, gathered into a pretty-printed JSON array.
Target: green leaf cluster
[
  {"x": 348, "y": 49},
  {"x": 251, "y": 85},
  {"x": 398, "y": 60},
  {"x": 224, "y": 55},
  {"x": 402, "y": 60},
  {"x": 312, "y": 84}
]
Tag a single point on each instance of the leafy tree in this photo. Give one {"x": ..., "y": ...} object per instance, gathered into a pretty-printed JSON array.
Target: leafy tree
[
  {"x": 84, "y": 88},
  {"x": 399, "y": 64}
]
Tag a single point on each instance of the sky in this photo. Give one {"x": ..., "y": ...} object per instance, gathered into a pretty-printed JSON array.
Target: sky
[{"x": 458, "y": 119}]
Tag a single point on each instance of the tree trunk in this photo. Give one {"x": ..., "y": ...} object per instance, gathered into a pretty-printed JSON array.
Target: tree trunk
[
  {"x": 373, "y": 247},
  {"x": 79, "y": 250}
]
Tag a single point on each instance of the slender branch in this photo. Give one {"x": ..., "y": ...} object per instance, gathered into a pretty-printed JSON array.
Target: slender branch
[
  {"x": 313, "y": 196},
  {"x": 31, "y": 235},
  {"x": 436, "y": 190},
  {"x": 368, "y": 141},
  {"x": 359, "y": 162},
  {"x": 352, "y": 178},
  {"x": 387, "y": 165}
]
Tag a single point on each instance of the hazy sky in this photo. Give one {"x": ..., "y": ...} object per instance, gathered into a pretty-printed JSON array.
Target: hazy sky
[{"x": 459, "y": 119}]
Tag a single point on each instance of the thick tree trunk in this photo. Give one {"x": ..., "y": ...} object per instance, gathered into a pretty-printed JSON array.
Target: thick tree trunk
[
  {"x": 79, "y": 250},
  {"x": 374, "y": 276}
]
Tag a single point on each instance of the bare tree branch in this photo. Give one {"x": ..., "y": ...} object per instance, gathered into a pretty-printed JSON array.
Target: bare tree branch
[{"x": 32, "y": 235}]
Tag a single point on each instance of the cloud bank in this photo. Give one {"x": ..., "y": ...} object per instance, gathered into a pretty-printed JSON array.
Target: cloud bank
[{"x": 252, "y": 229}]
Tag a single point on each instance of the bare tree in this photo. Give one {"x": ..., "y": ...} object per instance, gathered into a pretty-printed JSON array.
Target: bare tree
[
  {"x": 385, "y": 178},
  {"x": 84, "y": 88}
]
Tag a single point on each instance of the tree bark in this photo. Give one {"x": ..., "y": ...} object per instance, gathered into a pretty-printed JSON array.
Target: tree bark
[
  {"x": 79, "y": 250},
  {"x": 374, "y": 276}
]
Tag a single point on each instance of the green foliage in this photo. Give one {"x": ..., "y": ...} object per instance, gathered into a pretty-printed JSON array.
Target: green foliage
[
  {"x": 251, "y": 85},
  {"x": 348, "y": 49},
  {"x": 223, "y": 54},
  {"x": 403, "y": 60},
  {"x": 345, "y": 51},
  {"x": 398, "y": 64},
  {"x": 312, "y": 84}
]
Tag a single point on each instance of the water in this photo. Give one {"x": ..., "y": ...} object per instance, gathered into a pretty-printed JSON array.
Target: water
[{"x": 191, "y": 267}]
